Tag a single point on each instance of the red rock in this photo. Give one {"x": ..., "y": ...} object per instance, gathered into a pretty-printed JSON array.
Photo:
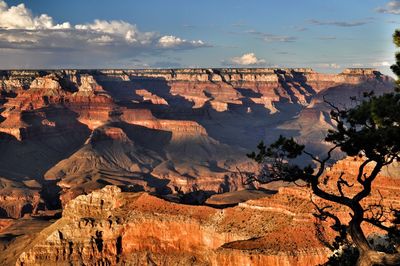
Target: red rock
[
  {"x": 184, "y": 130},
  {"x": 135, "y": 228}
]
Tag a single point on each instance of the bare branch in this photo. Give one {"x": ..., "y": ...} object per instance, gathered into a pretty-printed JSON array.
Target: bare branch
[
  {"x": 324, "y": 161},
  {"x": 367, "y": 183},
  {"x": 331, "y": 104},
  {"x": 377, "y": 214},
  {"x": 361, "y": 170},
  {"x": 323, "y": 194},
  {"x": 246, "y": 178},
  {"x": 322, "y": 215},
  {"x": 377, "y": 224},
  {"x": 341, "y": 182},
  {"x": 312, "y": 156}
]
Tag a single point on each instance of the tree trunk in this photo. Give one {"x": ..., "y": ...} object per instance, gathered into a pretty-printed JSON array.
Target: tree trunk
[
  {"x": 368, "y": 256},
  {"x": 361, "y": 242},
  {"x": 378, "y": 258}
]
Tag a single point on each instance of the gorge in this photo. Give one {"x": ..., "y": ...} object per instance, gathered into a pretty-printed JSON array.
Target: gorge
[{"x": 126, "y": 154}]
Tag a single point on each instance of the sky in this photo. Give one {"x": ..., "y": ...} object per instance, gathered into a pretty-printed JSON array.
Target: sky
[{"x": 324, "y": 35}]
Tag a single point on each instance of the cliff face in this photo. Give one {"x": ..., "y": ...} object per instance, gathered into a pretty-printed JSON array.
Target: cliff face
[
  {"x": 172, "y": 93},
  {"x": 111, "y": 227},
  {"x": 164, "y": 131},
  {"x": 139, "y": 229},
  {"x": 224, "y": 87}
]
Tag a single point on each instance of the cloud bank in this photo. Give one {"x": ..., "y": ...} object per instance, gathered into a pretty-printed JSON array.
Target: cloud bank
[{"x": 23, "y": 33}]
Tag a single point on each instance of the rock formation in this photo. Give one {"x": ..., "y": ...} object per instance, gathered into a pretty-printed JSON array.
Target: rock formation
[
  {"x": 115, "y": 228},
  {"x": 119, "y": 228},
  {"x": 160, "y": 130}
]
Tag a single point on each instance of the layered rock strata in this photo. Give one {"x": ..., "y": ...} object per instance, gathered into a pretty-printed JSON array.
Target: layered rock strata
[
  {"x": 160, "y": 130},
  {"x": 114, "y": 228},
  {"x": 118, "y": 228}
]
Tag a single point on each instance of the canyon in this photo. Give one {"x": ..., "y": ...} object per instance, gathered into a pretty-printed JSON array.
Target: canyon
[
  {"x": 123, "y": 154},
  {"x": 115, "y": 227}
]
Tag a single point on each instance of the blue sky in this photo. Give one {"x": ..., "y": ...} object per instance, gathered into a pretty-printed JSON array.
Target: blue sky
[{"x": 325, "y": 35}]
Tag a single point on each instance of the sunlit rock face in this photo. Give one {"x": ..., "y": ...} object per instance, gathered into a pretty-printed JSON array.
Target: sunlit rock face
[
  {"x": 75, "y": 139},
  {"x": 163, "y": 131},
  {"x": 260, "y": 227},
  {"x": 113, "y": 227}
]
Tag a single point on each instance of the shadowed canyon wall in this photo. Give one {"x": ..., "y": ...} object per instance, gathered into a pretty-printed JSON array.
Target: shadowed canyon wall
[
  {"x": 68, "y": 132},
  {"x": 115, "y": 148}
]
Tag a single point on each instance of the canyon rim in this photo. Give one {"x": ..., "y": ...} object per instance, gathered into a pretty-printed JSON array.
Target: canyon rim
[{"x": 126, "y": 132}]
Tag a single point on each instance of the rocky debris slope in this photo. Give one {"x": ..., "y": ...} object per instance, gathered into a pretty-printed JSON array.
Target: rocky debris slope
[
  {"x": 112, "y": 156},
  {"x": 107, "y": 157}
]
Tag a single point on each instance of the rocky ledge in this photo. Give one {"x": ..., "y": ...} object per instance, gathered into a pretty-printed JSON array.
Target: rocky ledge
[{"x": 110, "y": 227}]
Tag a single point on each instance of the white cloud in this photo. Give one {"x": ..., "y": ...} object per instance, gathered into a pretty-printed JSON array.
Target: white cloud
[
  {"x": 19, "y": 17},
  {"x": 249, "y": 59},
  {"x": 169, "y": 41},
  {"x": 21, "y": 30},
  {"x": 121, "y": 29},
  {"x": 392, "y": 7}
]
